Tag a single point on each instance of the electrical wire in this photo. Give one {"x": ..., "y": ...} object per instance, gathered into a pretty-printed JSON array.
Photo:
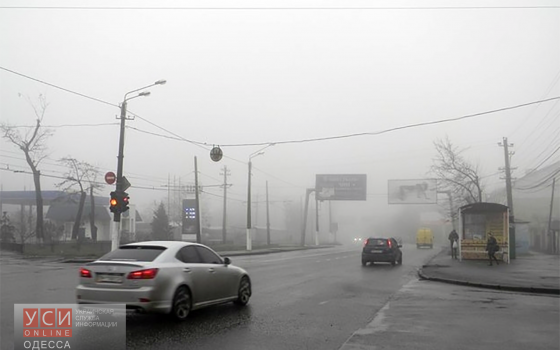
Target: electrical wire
[
  {"x": 202, "y": 144},
  {"x": 541, "y": 183},
  {"x": 60, "y": 88},
  {"x": 199, "y": 144},
  {"x": 376, "y": 8},
  {"x": 550, "y": 86},
  {"x": 66, "y": 125},
  {"x": 547, "y": 158}
]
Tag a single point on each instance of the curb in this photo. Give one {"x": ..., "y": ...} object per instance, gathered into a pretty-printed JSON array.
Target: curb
[{"x": 534, "y": 290}]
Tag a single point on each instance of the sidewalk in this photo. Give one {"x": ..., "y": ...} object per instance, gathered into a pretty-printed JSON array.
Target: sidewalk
[{"x": 532, "y": 273}]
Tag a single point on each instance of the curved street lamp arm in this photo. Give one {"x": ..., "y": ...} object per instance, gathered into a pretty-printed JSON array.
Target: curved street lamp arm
[
  {"x": 259, "y": 152},
  {"x": 159, "y": 82}
]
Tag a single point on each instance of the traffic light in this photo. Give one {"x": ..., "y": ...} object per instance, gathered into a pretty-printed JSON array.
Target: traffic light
[
  {"x": 114, "y": 203},
  {"x": 119, "y": 202},
  {"x": 124, "y": 202}
]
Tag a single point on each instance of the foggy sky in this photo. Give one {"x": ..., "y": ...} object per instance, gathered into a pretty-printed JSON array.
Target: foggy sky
[{"x": 257, "y": 75}]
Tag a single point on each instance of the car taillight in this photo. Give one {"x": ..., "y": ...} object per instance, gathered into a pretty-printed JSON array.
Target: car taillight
[
  {"x": 85, "y": 273},
  {"x": 143, "y": 274},
  {"x": 366, "y": 242},
  {"x": 390, "y": 243}
]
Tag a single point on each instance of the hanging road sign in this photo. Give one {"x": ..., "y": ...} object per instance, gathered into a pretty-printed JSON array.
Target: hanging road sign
[
  {"x": 125, "y": 184},
  {"x": 110, "y": 178},
  {"x": 216, "y": 154}
]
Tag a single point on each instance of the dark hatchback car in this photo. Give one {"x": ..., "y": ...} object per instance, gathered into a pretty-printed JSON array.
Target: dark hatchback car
[{"x": 381, "y": 250}]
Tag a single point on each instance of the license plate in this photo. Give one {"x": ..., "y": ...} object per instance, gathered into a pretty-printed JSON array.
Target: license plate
[
  {"x": 109, "y": 279},
  {"x": 377, "y": 251}
]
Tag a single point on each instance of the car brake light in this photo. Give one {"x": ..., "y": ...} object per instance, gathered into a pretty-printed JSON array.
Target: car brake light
[
  {"x": 366, "y": 242},
  {"x": 390, "y": 244},
  {"x": 143, "y": 274},
  {"x": 85, "y": 273}
]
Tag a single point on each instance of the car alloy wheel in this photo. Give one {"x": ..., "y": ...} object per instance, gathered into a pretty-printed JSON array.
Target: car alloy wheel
[
  {"x": 181, "y": 304},
  {"x": 244, "y": 291}
]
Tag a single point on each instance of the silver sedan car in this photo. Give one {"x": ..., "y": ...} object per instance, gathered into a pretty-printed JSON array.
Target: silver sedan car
[{"x": 163, "y": 277}]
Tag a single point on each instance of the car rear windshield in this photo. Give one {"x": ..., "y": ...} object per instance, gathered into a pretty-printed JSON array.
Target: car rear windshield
[
  {"x": 134, "y": 253},
  {"x": 377, "y": 241}
]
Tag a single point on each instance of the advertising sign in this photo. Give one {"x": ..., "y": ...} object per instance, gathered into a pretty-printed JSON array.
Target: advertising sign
[
  {"x": 423, "y": 191},
  {"x": 341, "y": 187},
  {"x": 190, "y": 217}
]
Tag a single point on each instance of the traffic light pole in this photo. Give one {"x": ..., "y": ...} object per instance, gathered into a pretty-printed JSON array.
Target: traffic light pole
[
  {"x": 120, "y": 182},
  {"x": 120, "y": 157}
]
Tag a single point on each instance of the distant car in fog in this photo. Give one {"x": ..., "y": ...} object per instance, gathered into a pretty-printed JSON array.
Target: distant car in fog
[
  {"x": 381, "y": 250},
  {"x": 424, "y": 238},
  {"x": 358, "y": 240}
]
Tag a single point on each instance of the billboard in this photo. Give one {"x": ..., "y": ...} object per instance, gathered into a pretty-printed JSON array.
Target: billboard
[
  {"x": 422, "y": 191},
  {"x": 341, "y": 187}
]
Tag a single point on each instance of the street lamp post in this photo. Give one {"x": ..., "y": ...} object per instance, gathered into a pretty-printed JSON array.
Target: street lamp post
[
  {"x": 120, "y": 157},
  {"x": 253, "y": 155}
]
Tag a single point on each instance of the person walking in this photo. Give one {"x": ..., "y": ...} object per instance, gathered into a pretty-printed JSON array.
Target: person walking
[
  {"x": 492, "y": 247},
  {"x": 453, "y": 236},
  {"x": 454, "y": 248}
]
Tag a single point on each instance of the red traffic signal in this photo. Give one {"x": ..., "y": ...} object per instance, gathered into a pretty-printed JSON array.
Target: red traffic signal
[{"x": 124, "y": 202}]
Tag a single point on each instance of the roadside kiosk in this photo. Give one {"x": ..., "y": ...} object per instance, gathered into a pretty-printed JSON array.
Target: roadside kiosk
[{"x": 475, "y": 221}]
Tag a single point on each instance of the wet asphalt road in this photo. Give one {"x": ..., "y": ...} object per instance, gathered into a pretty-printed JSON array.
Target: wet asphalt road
[
  {"x": 319, "y": 299},
  {"x": 301, "y": 300},
  {"x": 312, "y": 299}
]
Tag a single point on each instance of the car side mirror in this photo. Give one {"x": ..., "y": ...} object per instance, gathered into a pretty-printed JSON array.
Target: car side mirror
[
  {"x": 227, "y": 261},
  {"x": 400, "y": 245}
]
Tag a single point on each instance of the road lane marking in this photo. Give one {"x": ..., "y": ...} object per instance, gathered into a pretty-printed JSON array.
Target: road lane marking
[{"x": 299, "y": 257}]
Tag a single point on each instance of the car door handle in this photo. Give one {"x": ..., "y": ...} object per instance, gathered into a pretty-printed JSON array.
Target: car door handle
[
  {"x": 211, "y": 270},
  {"x": 187, "y": 270}
]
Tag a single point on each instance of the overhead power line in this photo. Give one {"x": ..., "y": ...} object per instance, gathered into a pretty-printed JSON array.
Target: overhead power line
[
  {"x": 544, "y": 161},
  {"x": 209, "y": 144},
  {"x": 308, "y": 8},
  {"x": 59, "y": 87}
]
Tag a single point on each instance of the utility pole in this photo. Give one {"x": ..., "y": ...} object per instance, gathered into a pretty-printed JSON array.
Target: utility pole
[
  {"x": 249, "y": 238},
  {"x": 168, "y": 192},
  {"x": 316, "y": 220},
  {"x": 226, "y": 173},
  {"x": 267, "y": 218},
  {"x": 304, "y": 224},
  {"x": 198, "y": 228},
  {"x": 509, "y": 197},
  {"x": 551, "y": 234},
  {"x": 256, "y": 202},
  {"x": 333, "y": 226}
]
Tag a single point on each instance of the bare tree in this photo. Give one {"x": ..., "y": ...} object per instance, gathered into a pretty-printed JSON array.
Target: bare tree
[
  {"x": 456, "y": 176},
  {"x": 24, "y": 228},
  {"x": 33, "y": 146},
  {"x": 94, "y": 186},
  {"x": 82, "y": 175}
]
